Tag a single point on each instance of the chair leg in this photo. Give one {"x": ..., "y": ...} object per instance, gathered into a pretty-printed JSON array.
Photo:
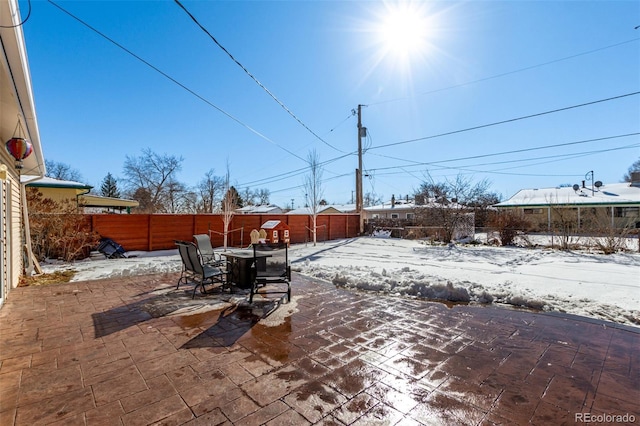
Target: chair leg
[
  {"x": 254, "y": 289},
  {"x": 195, "y": 287},
  {"x": 182, "y": 277}
]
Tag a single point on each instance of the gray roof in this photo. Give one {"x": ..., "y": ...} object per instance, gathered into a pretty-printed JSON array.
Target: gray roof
[
  {"x": 610, "y": 194},
  {"x": 263, "y": 208}
]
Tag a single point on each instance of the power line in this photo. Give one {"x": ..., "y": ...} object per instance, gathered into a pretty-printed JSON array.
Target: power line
[
  {"x": 504, "y": 121},
  {"x": 292, "y": 173},
  {"x": 516, "y": 151},
  {"x": 554, "y": 157},
  {"x": 302, "y": 185},
  {"x": 193, "y": 18},
  {"x": 24, "y": 21},
  {"x": 508, "y": 72},
  {"x": 153, "y": 67},
  {"x": 436, "y": 163}
]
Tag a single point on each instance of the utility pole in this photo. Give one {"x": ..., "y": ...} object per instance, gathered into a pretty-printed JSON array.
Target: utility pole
[{"x": 362, "y": 131}]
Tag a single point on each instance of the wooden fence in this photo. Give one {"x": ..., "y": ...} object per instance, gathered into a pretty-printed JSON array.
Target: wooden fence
[{"x": 148, "y": 232}]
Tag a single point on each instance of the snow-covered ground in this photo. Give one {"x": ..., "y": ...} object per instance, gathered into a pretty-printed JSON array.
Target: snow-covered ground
[{"x": 582, "y": 283}]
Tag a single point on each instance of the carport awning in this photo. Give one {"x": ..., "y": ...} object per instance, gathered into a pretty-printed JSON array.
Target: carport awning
[{"x": 88, "y": 200}]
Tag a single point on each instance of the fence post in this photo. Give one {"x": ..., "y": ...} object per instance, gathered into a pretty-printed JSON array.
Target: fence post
[{"x": 149, "y": 234}]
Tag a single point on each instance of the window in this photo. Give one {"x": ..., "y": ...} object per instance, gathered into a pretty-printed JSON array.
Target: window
[
  {"x": 394, "y": 216},
  {"x": 627, "y": 211},
  {"x": 411, "y": 215},
  {"x": 532, "y": 211}
]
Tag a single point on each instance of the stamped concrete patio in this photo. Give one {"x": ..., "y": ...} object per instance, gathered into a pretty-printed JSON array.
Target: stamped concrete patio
[{"x": 135, "y": 351}]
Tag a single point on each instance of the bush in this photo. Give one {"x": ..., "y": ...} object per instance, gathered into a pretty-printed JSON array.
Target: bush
[
  {"x": 606, "y": 237},
  {"x": 508, "y": 224},
  {"x": 58, "y": 231}
]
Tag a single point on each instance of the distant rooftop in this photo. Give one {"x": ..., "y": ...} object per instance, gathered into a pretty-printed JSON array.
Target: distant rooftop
[
  {"x": 49, "y": 182},
  {"x": 329, "y": 208},
  {"x": 615, "y": 193}
]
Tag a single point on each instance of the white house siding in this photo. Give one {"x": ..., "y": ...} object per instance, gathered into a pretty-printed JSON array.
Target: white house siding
[
  {"x": 3, "y": 243},
  {"x": 11, "y": 247}
]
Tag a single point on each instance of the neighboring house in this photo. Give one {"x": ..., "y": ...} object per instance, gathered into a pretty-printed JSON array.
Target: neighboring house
[
  {"x": 616, "y": 204},
  {"x": 326, "y": 209},
  {"x": 78, "y": 193},
  {"x": 261, "y": 209},
  {"x": 344, "y": 208},
  {"x": 407, "y": 219},
  {"x": 16, "y": 106},
  {"x": 394, "y": 209}
]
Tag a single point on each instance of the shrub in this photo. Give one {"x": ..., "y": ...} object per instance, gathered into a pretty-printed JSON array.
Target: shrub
[
  {"x": 58, "y": 231},
  {"x": 508, "y": 224},
  {"x": 607, "y": 237}
]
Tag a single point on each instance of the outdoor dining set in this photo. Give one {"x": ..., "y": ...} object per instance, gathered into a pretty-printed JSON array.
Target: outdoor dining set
[{"x": 263, "y": 268}]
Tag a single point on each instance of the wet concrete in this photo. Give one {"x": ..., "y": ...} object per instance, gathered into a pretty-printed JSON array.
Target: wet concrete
[{"x": 135, "y": 351}]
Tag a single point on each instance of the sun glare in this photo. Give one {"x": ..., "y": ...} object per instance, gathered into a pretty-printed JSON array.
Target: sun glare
[
  {"x": 403, "y": 31},
  {"x": 400, "y": 37}
]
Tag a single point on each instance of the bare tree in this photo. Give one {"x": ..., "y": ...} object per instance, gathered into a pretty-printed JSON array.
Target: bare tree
[
  {"x": 635, "y": 167},
  {"x": 190, "y": 202},
  {"x": 177, "y": 198},
  {"x": 248, "y": 197},
  {"x": 449, "y": 204},
  {"x": 62, "y": 171},
  {"x": 564, "y": 223},
  {"x": 313, "y": 190},
  {"x": 371, "y": 199},
  {"x": 263, "y": 196},
  {"x": 152, "y": 175},
  {"x": 208, "y": 189},
  {"x": 229, "y": 205}
]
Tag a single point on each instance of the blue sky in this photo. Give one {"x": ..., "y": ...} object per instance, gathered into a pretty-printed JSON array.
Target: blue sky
[{"x": 471, "y": 64}]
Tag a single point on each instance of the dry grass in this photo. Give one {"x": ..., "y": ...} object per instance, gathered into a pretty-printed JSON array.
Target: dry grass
[{"x": 57, "y": 277}]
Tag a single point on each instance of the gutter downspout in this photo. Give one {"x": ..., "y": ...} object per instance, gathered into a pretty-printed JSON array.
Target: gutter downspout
[{"x": 78, "y": 199}]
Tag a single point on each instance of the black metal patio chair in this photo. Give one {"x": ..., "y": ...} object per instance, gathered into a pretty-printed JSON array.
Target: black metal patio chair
[
  {"x": 271, "y": 266},
  {"x": 208, "y": 255},
  {"x": 194, "y": 270}
]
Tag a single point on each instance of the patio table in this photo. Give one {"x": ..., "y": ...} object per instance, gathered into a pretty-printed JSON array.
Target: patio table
[{"x": 240, "y": 263}]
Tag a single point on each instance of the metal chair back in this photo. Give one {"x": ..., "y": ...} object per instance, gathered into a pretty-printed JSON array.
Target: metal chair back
[
  {"x": 207, "y": 253},
  {"x": 194, "y": 269},
  {"x": 271, "y": 266}
]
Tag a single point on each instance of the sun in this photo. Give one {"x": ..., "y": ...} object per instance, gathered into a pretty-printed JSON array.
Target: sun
[{"x": 403, "y": 30}]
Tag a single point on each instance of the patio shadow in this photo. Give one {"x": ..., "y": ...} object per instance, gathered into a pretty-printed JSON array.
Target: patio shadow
[
  {"x": 160, "y": 303},
  {"x": 233, "y": 322}
]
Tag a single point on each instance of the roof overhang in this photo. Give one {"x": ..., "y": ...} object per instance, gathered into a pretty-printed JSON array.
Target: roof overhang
[
  {"x": 89, "y": 200},
  {"x": 48, "y": 182},
  {"x": 16, "y": 94}
]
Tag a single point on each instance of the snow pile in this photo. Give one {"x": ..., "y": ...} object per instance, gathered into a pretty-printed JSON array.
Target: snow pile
[{"x": 593, "y": 285}]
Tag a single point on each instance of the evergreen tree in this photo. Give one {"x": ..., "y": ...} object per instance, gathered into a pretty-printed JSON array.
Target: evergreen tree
[
  {"x": 232, "y": 199},
  {"x": 109, "y": 187}
]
